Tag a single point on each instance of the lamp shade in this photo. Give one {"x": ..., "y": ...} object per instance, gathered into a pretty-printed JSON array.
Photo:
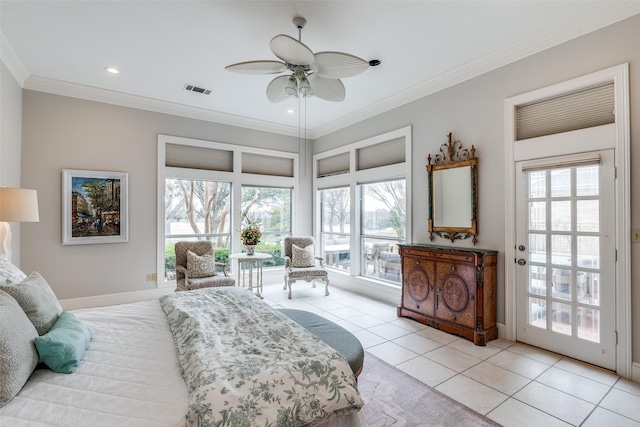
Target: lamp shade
[{"x": 18, "y": 205}]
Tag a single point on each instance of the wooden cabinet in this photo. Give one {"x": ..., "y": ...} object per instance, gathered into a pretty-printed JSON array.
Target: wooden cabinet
[{"x": 451, "y": 289}]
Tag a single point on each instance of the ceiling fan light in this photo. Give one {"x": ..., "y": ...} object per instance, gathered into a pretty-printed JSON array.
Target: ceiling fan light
[
  {"x": 304, "y": 87},
  {"x": 291, "y": 89}
]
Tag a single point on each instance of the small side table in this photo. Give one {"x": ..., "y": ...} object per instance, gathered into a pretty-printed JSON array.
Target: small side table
[{"x": 257, "y": 257}]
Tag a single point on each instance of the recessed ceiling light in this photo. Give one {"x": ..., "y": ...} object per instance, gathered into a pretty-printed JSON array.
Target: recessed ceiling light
[
  {"x": 291, "y": 110},
  {"x": 112, "y": 70}
]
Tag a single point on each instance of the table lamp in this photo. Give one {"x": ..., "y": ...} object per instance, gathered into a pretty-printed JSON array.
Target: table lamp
[{"x": 16, "y": 205}]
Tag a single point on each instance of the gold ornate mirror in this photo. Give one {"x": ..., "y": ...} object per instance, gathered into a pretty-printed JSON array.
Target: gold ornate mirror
[{"x": 453, "y": 193}]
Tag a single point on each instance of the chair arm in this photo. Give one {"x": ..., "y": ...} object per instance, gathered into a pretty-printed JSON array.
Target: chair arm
[
  {"x": 287, "y": 261},
  {"x": 319, "y": 258},
  {"x": 224, "y": 267},
  {"x": 184, "y": 271}
]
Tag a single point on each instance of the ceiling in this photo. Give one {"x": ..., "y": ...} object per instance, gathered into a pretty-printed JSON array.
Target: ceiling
[{"x": 160, "y": 46}]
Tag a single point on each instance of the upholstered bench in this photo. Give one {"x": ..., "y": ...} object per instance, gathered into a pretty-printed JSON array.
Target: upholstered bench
[{"x": 343, "y": 341}]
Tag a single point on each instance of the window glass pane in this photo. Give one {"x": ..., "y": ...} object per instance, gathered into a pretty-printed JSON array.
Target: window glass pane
[
  {"x": 587, "y": 181},
  {"x": 383, "y": 226},
  {"x": 588, "y": 287},
  {"x": 537, "y": 216},
  {"x": 561, "y": 318},
  {"x": 589, "y": 324},
  {"x": 537, "y": 184},
  {"x": 271, "y": 207},
  {"x": 561, "y": 215},
  {"x": 588, "y": 215},
  {"x": 196, "y": 210},
  {"x": 589, "y": 251},
  {"x": 561, "y": 249},
  {"x": 537, "y": 248},
  {"x": 537, "y": 280},
  {"x": 336, "y": 227},
  {"x": 538, "y": 313},
  {"x": 560, "y": 182},
  {"x": 561, "y": 283}
]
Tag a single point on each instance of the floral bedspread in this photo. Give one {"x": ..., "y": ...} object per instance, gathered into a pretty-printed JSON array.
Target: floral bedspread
[{"x": 246, "y": 364}]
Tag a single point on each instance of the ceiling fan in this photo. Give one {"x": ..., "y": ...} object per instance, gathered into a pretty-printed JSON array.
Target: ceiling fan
[{"x": 316, "y": 74}]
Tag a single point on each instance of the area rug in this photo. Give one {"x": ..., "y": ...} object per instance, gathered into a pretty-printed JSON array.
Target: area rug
[{"x": 393, "y": 398}]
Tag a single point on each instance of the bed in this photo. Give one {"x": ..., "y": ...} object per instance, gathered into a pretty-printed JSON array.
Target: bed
[{"x": 217, "y": 356}]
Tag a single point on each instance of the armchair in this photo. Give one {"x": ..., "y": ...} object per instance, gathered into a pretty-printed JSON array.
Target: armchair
[
  {"x": 302, "y": 264},
  {"x": 195, "y": 267}
]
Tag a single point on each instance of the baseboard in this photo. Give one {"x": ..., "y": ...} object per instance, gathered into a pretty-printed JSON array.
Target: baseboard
[
  {"x": 635, "y": 371},
  {"x": 114, "y": 299}
]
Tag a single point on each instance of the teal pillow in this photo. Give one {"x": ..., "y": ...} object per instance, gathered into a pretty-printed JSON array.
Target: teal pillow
[{"x": 62, "y": 348}]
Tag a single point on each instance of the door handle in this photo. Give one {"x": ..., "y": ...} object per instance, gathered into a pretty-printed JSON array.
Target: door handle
[{"x": 522, "y": 261}]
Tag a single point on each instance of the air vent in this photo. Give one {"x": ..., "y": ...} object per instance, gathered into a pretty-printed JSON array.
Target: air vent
[{"x": 192, "y": 88}]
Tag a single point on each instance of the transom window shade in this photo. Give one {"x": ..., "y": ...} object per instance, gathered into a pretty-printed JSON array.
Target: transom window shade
[
  {"x": 333, "y": 165},
  {"x": 572, "y": 161},
  {"x": 189, "y": 157},
  {"x": 267, "y": 165},
  {"x": 382, "y": 154},
  {"x": 582, "y": 109}
]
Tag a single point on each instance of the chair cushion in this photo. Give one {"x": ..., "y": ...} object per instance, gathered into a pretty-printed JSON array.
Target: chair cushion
[
  {"x": 200, "y": 265},
  {"x": 306, "y": 272},
  {"x": 18, "y": 355},
  {"x": 302, "y": 257},
  {"x": 38, "y": 301},
  {"x": 210, "y": 282},
  {"x": 62, "y": 348}
]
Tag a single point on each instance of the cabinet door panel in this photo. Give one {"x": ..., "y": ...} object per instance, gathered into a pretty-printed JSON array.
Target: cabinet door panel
[
  {"x": 418, "y": 287},
  {"x": 456, "y": 293}
]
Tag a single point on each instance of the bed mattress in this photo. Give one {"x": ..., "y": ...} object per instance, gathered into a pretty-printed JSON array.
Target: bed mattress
[{"x": 129, "y": 376}]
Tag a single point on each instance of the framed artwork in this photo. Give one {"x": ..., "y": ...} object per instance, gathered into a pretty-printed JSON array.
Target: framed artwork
[{"x": 95, "y": 207}]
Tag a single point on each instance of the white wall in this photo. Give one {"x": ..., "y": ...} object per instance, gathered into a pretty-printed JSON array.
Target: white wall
[
  {"x": 10, "y": 143},
  {"x": 474, "y": 111},
  {"x": 67, "y": 133}
]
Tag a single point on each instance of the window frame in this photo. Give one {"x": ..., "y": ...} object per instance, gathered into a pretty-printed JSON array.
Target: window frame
[
  {"x": 353, "y": 179},
  {"x": 236, "y": 177}
]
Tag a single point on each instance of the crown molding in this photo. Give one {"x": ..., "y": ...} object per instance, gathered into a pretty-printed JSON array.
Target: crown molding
[
  {"x": 90, "y": 93},
  {"x": 596, "y": 19},
  {"x": 608, "y": 14},
  {"x": 11, "y": 61}
]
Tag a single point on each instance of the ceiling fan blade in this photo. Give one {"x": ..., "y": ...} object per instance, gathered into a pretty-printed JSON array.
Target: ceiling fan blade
[
  {"x": 257, "y": 67},
  {"x": 291, "y": 50},
  {"x": 275, "y": 90},
  {"x": 327, "y": 89},
  {"x": 338, "y": 65}
]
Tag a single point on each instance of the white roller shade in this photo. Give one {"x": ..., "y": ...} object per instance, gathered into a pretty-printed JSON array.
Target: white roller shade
[
  {"x": 584, "y": 159},
  {"x": 267, "y": 165},
  {"x": 385, "y": 153},
  {"x": 581, "y": 109},
  {"x": 333, "y": 165},
  {"x": 189, "y": 157}
]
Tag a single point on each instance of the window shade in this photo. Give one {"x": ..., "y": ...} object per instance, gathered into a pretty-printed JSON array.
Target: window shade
[
  {"x": 572, "y": 161},
  {"x": 582, "y": 109},
  {"x": 267, "y": 165},
  {"x": 186, "y": 156},
  {"x": 333, "y": 165},
  {"x": 382, "y": 154}
]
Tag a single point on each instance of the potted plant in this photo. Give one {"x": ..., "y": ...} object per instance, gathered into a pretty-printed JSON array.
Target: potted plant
[{"x": 250, "y": 235}]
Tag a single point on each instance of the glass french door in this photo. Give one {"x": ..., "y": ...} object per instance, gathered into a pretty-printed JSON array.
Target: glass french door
[{"x": 566, "y": 256}]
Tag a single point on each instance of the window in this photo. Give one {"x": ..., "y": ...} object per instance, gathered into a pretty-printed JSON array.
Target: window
[
  {"x": 272, "y": 208},
  {"x": 335, "y": 229},
  {"x": 383, "y": 226},
  {"x": 196, "y": 210},
  {"x": 362, "y": 208},
  {"x": 206, "y": 189}
]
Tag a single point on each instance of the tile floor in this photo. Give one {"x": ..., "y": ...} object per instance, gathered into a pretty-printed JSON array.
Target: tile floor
[{"x": 511, "y": 383}]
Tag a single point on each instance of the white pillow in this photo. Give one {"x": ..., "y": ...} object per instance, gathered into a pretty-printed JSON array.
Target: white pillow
[
  {"x": 9, "y": 273},
  {"x": 200, "y": 266},
  {"x": 302, "y": 257},
  {"x": 18, "y": 355},
  {"x": 38, "y": 301}
]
